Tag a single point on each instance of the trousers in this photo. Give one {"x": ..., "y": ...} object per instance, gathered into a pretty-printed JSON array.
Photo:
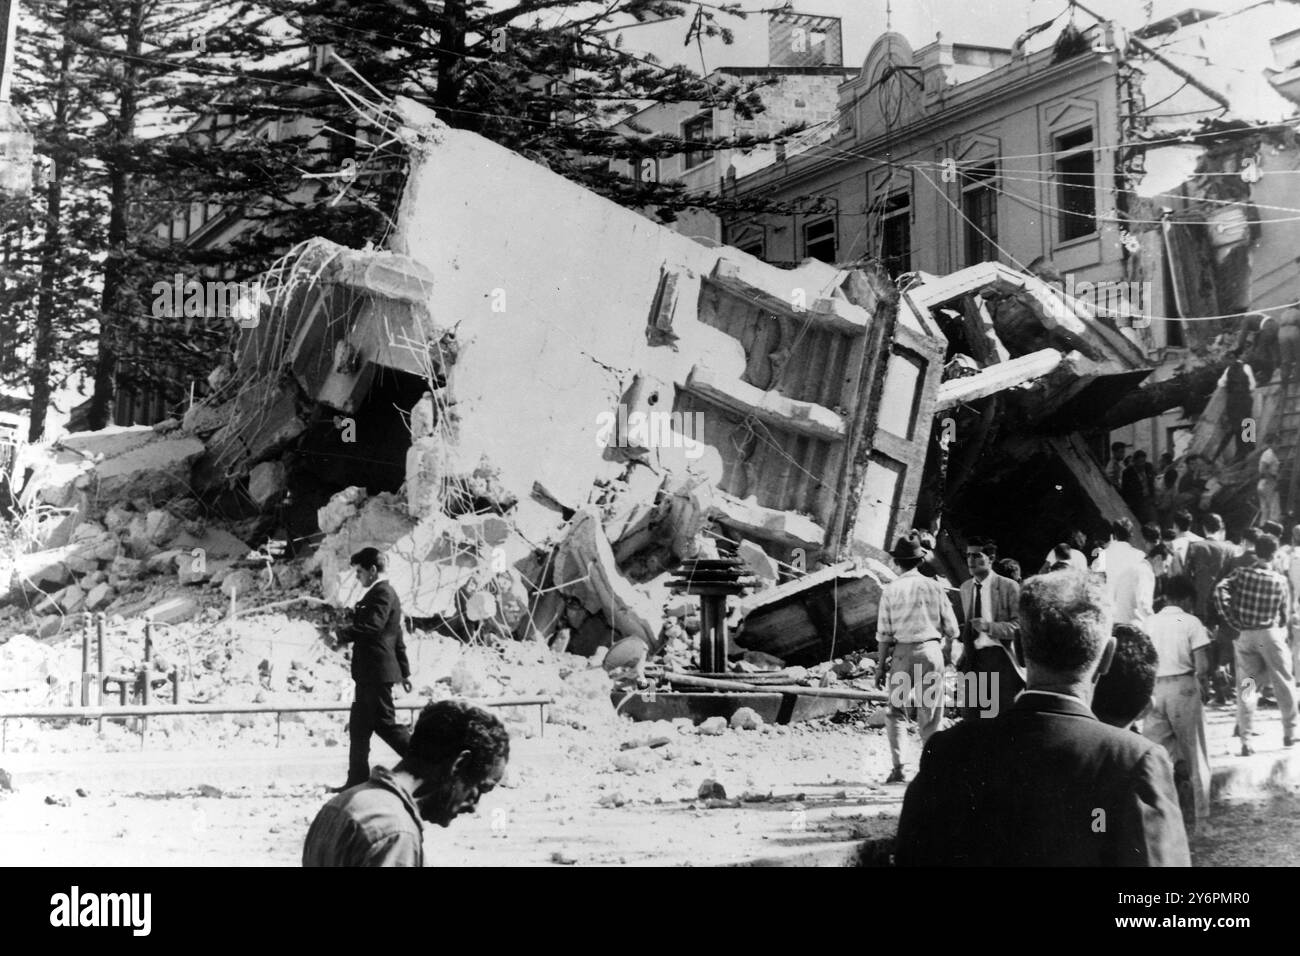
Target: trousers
[
  {"x": 372, "y": 713},
  {"x": 1176, "y": 721},
  {"x": 1261, "y": 652},
  {"x": 918, "y": 667}
]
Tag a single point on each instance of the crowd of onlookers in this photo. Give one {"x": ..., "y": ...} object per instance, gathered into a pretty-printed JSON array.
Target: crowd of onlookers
[{"x": 1139, "y": 633}]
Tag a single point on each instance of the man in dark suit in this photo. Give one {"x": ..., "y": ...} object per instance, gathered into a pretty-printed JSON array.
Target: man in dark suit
[
  {"x": 1047, "y": 783},
  {"x": 991, "y": 620},
  {"x": 378, "y": 662},
  {"x": 1208, "y": 562}
]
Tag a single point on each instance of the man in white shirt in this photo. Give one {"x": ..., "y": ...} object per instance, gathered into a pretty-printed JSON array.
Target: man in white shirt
[
  {"x": 1177, "y": 719},
  {"x": 1185, "y": 536},
  {"x": 1270, "y": 507},
  {"x": 915, "y": 627},
  {"x": 1130, "y": 581}
]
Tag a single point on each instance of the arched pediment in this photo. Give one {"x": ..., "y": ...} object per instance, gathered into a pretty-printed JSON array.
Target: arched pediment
[{"x": 889, "y": 49}]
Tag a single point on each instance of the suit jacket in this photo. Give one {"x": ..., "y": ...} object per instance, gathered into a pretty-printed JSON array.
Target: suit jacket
[
  {"x": 1005, "y": 612},
  {"x": 379, "y": 654},
  {"x": 1207, "y": 562},
  {"x": 1044, "y": 784}
]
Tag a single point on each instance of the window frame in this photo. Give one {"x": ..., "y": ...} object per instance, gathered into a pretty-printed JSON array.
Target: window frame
[
  {"x": 690, "y": 135},
  {"x": 976, "y": 183},
  {"x": 832, "y": 236},
  {"x": 1062, "y": 154}
]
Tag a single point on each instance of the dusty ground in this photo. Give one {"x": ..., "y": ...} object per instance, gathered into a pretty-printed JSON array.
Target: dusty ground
[{"x": 589, "y": 791}]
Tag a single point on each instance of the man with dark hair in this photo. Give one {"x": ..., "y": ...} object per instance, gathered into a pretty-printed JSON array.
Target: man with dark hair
[
  {"x": 1257, "y": 602},
  {"x": 1115, "y": 467},
  {"x": 1046, "y": 784},
  {"x": 914, "y": 620},
  {"x": 378, "y": 662},
  {"x": 1184, "y": 536},
  {"x": 1208, "y": 561},
  {"x": 1124, "y": 692},
  {"x": 1130, "y": 581},
  {"x": 1138, "y": 487},
  {"x": 457, "y": 753},
  {"x": 991, "y": 621},
  {"x": 1177, "y": 719}
]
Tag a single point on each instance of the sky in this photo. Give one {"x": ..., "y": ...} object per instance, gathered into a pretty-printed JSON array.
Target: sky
[{"x": 980, "y": 22}]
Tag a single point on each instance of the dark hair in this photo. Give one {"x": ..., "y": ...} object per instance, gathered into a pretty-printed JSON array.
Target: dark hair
[
  {"x": 1062, "y": 551},
  {"x": 369, "y": 558},
  {"x": 1265, "y": 547},
  {"x": 1272, "y": 527},
  {"x": 1140, "y": 454},
  {"x": 1121, "y": 529},
  {"x": 1179, "y": 588},
  {"x": 907, "y": 564},
  {"x": 1060, "y": 566},
  {"x": 1065, "y": 618},
  {"x": 1183, "y": 518},
  {"x": 1008, "y": 568},
  {"x": 1117, "y": 444},
  {"x": 1167, "y": 533},
  {"x": 1151, "y": 532},
  {"x": 1078, "y": 539},
  {"x": 446, "y": 727},
  {"x": 1124, "y": 690},
  {"x": 1212, "y": 523},
  {"x": 1251, "y": 535}
]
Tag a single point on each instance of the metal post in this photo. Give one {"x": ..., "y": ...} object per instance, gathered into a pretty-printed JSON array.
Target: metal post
[
  {"x": 85, "y": 666},
  {"x": 148, "y": 641},
  {"x": 277, "y": 728},
  {"x": 4, "y": 735},
  {"x": 176, "y": 686},
  {"x": 99, "y": 675}
]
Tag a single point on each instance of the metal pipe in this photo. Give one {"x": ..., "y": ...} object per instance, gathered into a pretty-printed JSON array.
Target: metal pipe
[
  {"x": 99, "y": 669},
  {"x": 162, "y": 710},
  {"x": 689, "y": 680},
  {"x": 85, "y": 666}
]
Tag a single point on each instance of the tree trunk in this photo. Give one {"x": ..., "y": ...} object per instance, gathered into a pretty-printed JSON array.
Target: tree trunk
[
  {"x": 112, "y": 307},
  {"x": 451, "y": 58},
  {"x": 1189, "y": 390},
  {"x": 52, "y": 251}
]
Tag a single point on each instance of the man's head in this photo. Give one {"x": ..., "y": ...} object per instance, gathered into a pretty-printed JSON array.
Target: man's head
[
  {"x": 908, "y": 553},
  {"x": 458, "y": 753},
  {"x": 1179, "y": 590},
  {"x": 1213, "y": 524},
  {"x": 1121, "y": 529},
  {"x": 370, "y": 564},
  {"x": 1265, "y": 548},
  {"x": 980, "y": 554},
  {"x": 1117, "y": 450},
  {"x": 1139, "y": 457},
  {"x": 1272, "y": 527},
  {"x": 1295, "y": 535},
  {"x": 1124, "y": 691},
  {"x": 1151, "y": 533},
  {"x": 1183, "y": 520},
  {"x": 1065, "y": 622},
  {"x": 1248, "y": 539},
  {"x": 1061, "y": 552}
]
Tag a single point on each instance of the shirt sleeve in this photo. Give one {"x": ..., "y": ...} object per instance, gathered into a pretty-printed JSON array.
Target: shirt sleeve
[
  {"x": 399, "y": 849},
  {"x": 885, "y": 618},
  {"x": 947, "y": 619},
  {"x": 1200, "y": 637}
]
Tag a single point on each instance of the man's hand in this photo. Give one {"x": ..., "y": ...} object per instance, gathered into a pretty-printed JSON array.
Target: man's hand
[
  {"x": 406, "y": 686},
  {"x": 981, "y": 625}
]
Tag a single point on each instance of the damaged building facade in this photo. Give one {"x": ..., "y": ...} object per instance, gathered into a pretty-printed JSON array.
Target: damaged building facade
[{"x": 1148, "y": 175}]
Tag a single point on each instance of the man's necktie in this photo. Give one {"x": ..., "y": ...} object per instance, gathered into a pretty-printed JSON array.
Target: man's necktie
[{"x": 977, "y": 611}]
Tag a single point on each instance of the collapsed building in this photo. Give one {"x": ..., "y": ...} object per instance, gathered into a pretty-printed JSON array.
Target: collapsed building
[{"x": 540, "y": 403}]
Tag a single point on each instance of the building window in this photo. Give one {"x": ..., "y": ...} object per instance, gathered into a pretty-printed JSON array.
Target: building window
[
  {"x": 979, "y": 205},
  {"x": 694, "y": 132},
  {"x": 1076, "y": 187},
  {"x": 754, "y": 248},
  {"x": 819, "y": 240},
  {"x": 896, "y": 235}
]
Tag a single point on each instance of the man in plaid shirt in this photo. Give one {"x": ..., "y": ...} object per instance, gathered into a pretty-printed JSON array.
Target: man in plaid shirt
[{"x": 1256, "y": 600}]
